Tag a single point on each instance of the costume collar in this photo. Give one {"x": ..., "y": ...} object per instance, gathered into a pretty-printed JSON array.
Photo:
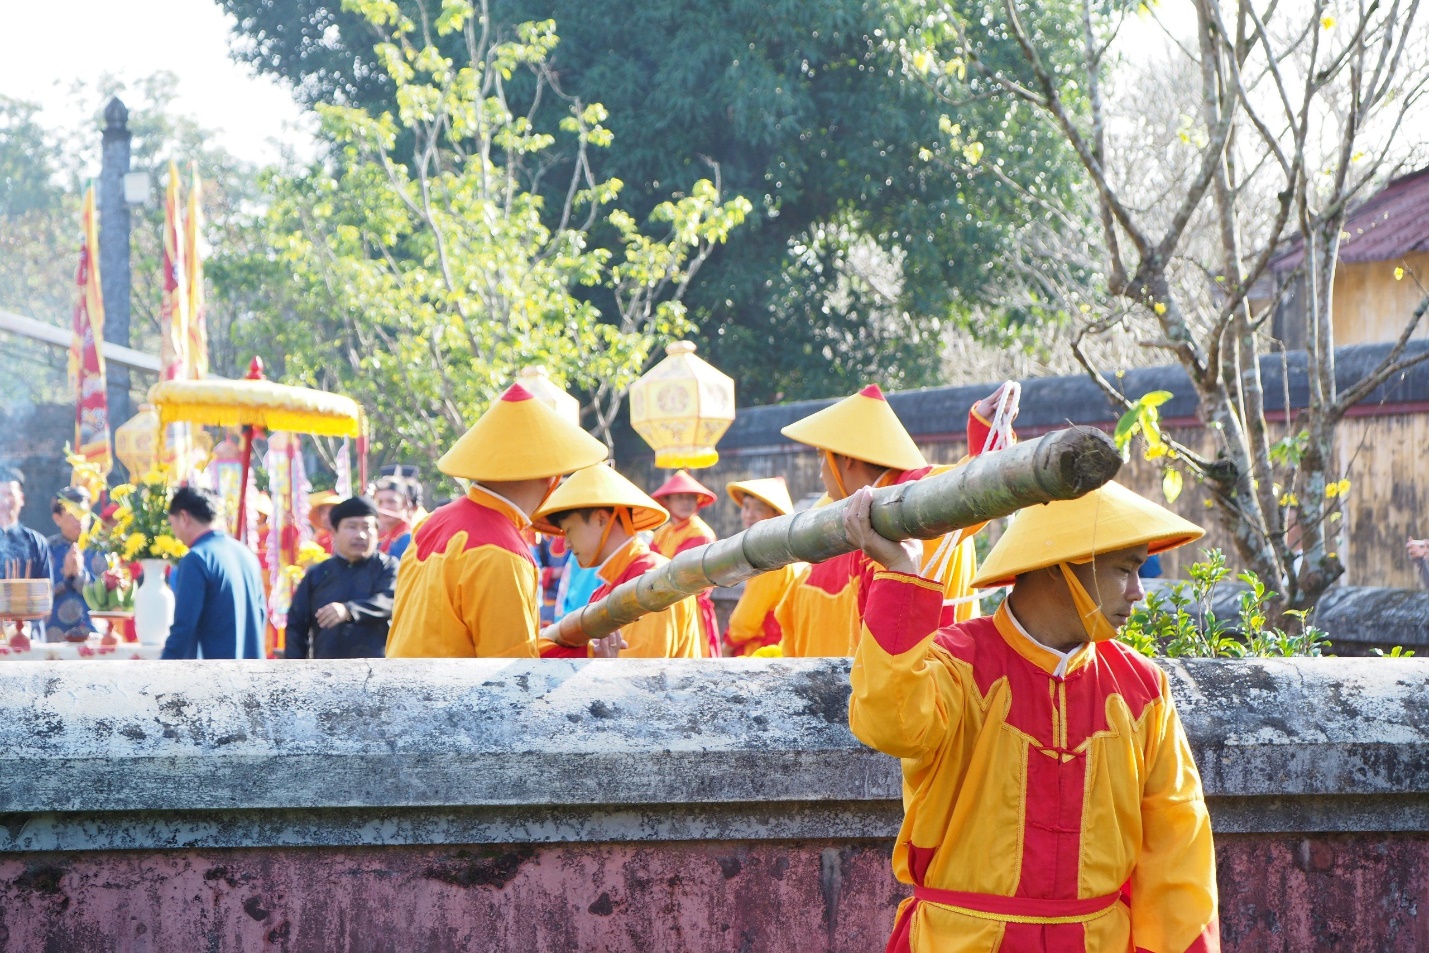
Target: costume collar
[
  {"x": 1054, "y": 663},
  {"x": 492, "y": 500},
  {"x": 617, "y": 562}
]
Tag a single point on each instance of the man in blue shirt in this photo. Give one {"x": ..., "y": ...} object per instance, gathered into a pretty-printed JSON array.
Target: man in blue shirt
[
  {"x": 218, "y": 587},
  {"x": 24, "y": 554}
]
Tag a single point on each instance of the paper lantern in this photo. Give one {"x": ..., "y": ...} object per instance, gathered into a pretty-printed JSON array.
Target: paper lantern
[
  {"x": 682, "y": 406},
  {"x": 539, "y": 383},
  {"x": 136, "y": 442}
]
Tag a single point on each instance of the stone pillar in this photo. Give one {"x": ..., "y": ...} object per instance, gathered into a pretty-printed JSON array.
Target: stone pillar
[{"x": 114, "y": 251}]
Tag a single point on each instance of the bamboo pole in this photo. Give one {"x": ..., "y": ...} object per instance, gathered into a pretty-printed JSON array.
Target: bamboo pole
[{"x": 1062, "y": 465}]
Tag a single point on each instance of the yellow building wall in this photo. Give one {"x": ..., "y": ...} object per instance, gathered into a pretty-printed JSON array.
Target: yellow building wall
[{"x": 1371, "y": 307}]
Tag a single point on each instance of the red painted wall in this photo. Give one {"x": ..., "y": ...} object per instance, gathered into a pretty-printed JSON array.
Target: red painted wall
[{"x": 1346, "y": 893}]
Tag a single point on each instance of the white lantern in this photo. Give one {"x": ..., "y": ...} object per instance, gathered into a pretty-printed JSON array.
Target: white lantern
[{"x": 682, "y": 406}]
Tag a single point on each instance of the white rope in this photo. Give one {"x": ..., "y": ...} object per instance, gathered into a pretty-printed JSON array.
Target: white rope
[
  {"x": 937, "y": 564},
  {"x": 999, "y": 433},
  {"x": 999, "y": 436},
  {"x": 980, "y": 594}
]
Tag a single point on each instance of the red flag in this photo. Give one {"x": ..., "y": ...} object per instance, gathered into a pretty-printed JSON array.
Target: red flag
[{"x": 91, "y": 422}]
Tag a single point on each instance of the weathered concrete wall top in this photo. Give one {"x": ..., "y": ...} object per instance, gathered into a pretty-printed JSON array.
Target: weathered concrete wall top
[{"x": 216, "y": 753}]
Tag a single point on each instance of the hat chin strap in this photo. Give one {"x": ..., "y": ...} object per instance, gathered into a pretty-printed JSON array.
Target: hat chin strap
[
  {"x": 622, "y": 513},
  {"x": 838, "y": 477},
  {"x": 551, "y": 484},
  {"x": 1094, "y": 622}
]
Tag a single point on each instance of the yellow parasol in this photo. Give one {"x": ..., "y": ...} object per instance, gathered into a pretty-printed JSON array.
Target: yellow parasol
[
  {"x": 259, "y": 403},
  {"x": 256, "y": 403}
]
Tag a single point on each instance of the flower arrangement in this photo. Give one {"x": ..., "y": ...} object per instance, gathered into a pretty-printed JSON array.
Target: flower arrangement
[{"x": 139, "y": 526}]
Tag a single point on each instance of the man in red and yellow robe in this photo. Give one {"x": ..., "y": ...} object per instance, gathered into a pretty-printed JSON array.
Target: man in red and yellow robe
[
  {"x": 864, "y": 444},
  {"x": 1051, "y": 801},
  {"x": 467, "y": 584},
  {"x": 683, "y": 496},
  {"x": 753, "y": 624},
  {"x": 600, "y": 513}
]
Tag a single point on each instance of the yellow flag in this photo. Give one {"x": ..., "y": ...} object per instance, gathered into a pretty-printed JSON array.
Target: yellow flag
[
  {"x": 198, "y": 317},
  {"x": 174, "y": 308}
]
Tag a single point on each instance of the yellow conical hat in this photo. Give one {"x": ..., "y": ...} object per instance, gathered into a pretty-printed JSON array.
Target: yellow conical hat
[
  {"x": 772, "y": 490},
  {"x": 863, "y": 427},
  {"x": 520, "y": 438},
  {"x": 599, "y": 486},
  {"x": 1073, "y": 531}
]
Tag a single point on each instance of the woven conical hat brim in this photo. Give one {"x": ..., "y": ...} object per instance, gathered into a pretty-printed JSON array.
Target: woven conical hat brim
[
  {"x": 520, "y": 438},
  {"x": 772, "y": 491},
  {"x": 599, "y": 486},
  {"x": 863, "y": 427},
  {"x": 1074, "y": 531},
  {"x": 682, "y": 482}
]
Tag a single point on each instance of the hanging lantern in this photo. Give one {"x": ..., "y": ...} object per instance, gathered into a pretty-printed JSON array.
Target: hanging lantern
[
  {"x": 539, "y": 383},
  {"x": 682, "y": 406},
  {"x": 136, "y": 442}
]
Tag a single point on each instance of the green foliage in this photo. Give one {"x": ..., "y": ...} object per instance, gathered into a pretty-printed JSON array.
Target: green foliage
[
  {"x": 28, "y": 170},
  {"x": 438, "y": 278},
  {"x": 1144, "y": 418},
  {"x": 1398, "y": 651},
  {"x": 1288, "y": 450},
  {"x": 1183, "y": 624},
  {"x": 39, "y": 225},
  {"x": 859, "y": 253}
]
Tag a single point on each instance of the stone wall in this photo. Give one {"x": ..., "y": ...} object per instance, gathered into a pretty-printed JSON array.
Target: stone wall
[{"x": 682, "y": 806}]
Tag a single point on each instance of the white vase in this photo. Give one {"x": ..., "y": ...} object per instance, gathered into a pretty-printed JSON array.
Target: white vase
[{"x": 153, "y": 604}]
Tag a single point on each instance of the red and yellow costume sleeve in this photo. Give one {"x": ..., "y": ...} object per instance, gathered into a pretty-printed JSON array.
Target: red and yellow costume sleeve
[
  {"x": 1041, "y": 811},
  {"x": 753, "y": 624},
  {"x": 467, "y": 586}
]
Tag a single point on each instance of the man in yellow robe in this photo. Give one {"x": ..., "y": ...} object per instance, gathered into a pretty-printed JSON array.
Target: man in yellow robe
[
  {"x": 752, "y": 624},
  {"x": 599, "y": 513},
  {"x": 1050, "y": 798},
  {"x": 863, "y": 443},
  {"x": 683, "y": 497},
  {"x": 467, "y": 584}
]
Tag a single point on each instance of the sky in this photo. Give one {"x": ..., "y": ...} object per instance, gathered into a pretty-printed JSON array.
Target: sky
[{"x": 135, "y": 38}]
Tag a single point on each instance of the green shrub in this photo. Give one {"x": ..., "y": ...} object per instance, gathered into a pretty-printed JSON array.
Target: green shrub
[{"x": 1182, "y": 624}]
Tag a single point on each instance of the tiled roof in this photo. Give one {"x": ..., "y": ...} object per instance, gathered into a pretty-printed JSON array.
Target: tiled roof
[{"x": 1390, "y": 224}]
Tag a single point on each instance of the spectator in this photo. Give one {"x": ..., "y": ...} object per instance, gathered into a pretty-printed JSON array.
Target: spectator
[
  {"x": 320, "y": 504},
  {"x": 1419, "y": 554},
  {"x": 71, "y": 568},
  {"x": 397, "y": 500},
  {"x": 24, "y": 554},
  {"x": 551, "y": 557},
  {"x": 352, "y": 592},
  {"x": 576, "y": 587},
  {"x": 218, "y": 590}
]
